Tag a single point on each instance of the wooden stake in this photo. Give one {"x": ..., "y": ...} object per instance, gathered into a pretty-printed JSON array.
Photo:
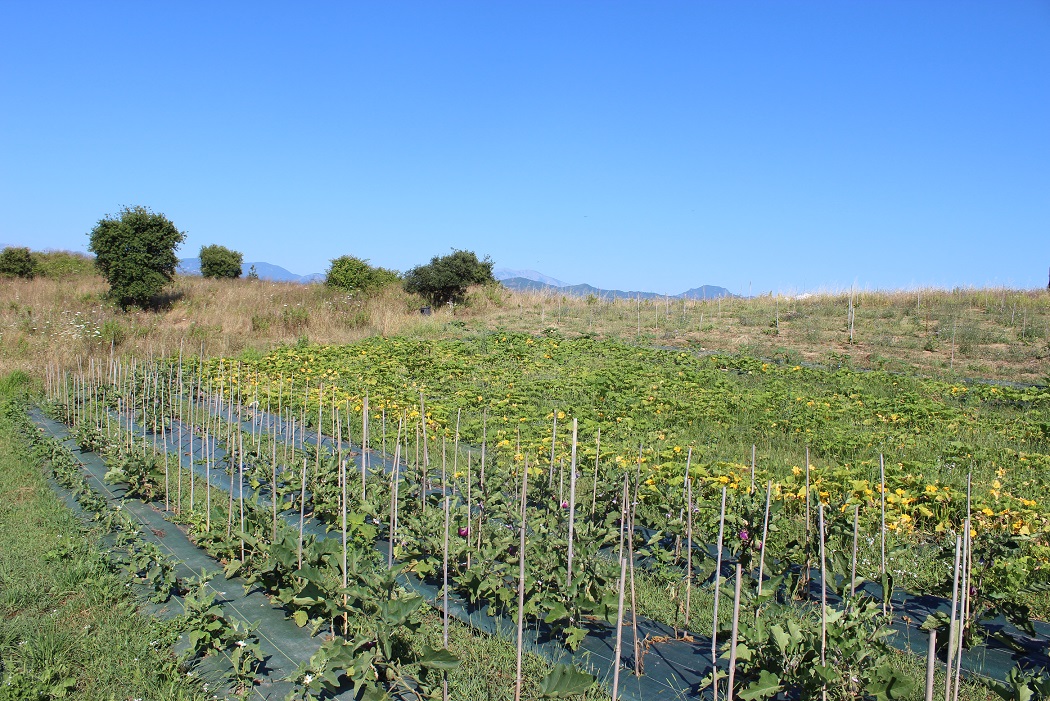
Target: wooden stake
[
  {"x": 597, "y": 450},
  {"x": 853, "y": 562},
  {"x": 736, "y": 630},
  {"x": 394, "y": 480},
  {"x": 882, "y": 530},
  {"x": 688, "y": 539},
  {"x": 823, "y": 596},
  {"x": 718, "y": 582},
  {"x": 753, "y": 447},
  {"x": 765, "y": 535},
  {"x": 931, "y": 663},
  {"x": 618, "y": 650},
  {"x": 572, "y": 503},
  {"x": 952, "y": 622},
  {"x": 521, "y": 581},
  {"x": 554, "y": 436}
]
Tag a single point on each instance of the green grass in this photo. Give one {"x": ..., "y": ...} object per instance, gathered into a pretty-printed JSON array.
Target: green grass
[{"x": 68, "y": 624}]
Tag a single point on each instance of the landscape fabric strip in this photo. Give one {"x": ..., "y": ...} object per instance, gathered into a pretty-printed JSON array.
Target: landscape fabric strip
[
  {"x": 284, "y": 644},
  {"x": 673, "y": 670},
  {"x": 676, "y": 666}
]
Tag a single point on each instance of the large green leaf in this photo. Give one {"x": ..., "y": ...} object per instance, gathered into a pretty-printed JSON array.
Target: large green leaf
[
  {"x": 440, "y": 659},
  {"x": 766, "y": 686},
  {"x": 564, "y": 681}
]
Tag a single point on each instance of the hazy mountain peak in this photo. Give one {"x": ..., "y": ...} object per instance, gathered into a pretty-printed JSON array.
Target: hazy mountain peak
[{"x": 507, "y": 274}]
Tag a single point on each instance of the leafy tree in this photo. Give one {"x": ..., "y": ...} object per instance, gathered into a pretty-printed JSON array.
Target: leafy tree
[
  {"x": 17, "y": 262},
  {"x": 446, "y": 279},
  {"x": 356, "y": 275},
  {"x": 219, "y": 261},
  {"x": 135, "y": 252},
  {"x": 253, "y": 274}
]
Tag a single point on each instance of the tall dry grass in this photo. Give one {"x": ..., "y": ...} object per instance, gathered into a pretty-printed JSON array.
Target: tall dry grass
[
  {"x": 63, "y": 322},
  {"x": 988, "y": 333}
]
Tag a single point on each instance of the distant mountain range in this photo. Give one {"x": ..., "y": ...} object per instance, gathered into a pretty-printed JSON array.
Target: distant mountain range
[
  {"x": 532, "y": 281},
  {"x": 522, "y": 280},
  {"x": 508, "y": 274},
  {"x": 266, "y": 271}
]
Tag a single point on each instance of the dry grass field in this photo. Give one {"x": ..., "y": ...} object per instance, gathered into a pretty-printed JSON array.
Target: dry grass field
[{"x": 999, "y": 334}]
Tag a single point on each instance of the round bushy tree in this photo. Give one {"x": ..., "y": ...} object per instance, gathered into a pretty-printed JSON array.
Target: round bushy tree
[
  {"x": 17, "y": 262},
  {"x": 135, "y": 252},
  {"x": 219, "y": 261},
  {"x": 356, "y": 275},
  {"x": 446, "y": 278}
]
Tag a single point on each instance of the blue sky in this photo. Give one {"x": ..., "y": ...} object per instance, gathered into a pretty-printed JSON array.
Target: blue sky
[{"x": 637, "y": 145}]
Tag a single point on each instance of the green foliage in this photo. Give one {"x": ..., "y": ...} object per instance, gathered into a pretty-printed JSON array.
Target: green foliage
[
  {"x": 356, "y": 275},
  {"x": 253, "y": 274},
  {"x": 15, "y": 383},
  {"x": 17, "y": 262},
  {"x": 446, "y": 278},
  {"x": 220, "y": 262},
  {"x": 58, "y": 265},
  {"x": 135, "y": 252}
]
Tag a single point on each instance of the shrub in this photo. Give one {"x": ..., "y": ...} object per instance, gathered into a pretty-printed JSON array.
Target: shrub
[
  {"x": 17, "y": 262},
  {"x": 446, "y": 279},
  {"x": 63, "y": 264},
  {"x": 356, "y": 275},
  {"x": 220, "y": 262},
  {"x": 135, "y": 252}
]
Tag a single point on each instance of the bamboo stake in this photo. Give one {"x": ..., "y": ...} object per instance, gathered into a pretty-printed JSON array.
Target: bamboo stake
[
  {"x": 207, "y": 481},
  {"x": 882, "y": 533},
  {"x": 952, "y": 622},
  {"x": 618, "y": 650},
  {"x": 736, "y": 631},
  {"x": 521, "y": 581},
  {"x": 273, "y": 485},
  {"x": 597, "y": 450},
  {"x": 823, "y": 598},
  {"x": 167, "y": 491},
  {"x": 554, "y": 436},
  {"x": 240, "y": 486},
  {"x": 931, "y": 663},
  {"x": 765, "y": 535},
  {"x": 630, "y": 567},
  {"x": 302, "y": 510},
  {"x": 444, "y": 590},
  {"x": 394, "y": 479},
  {"x": 423, "y": 420},
  {"x": 233, "y": 473},
  {"x": 853, "y": 562},
  {"x": 688, "y": 539},
  {"x": 572, "y": 503},
  {"x": 753, "y": 447},
  {"x": 317, "y": 453},
  {"x": 342, "y": 479},
  {"x": 364, "y": 449},
  {"x": 964, "y": 601},
  {"x": 718, "y": 579}
]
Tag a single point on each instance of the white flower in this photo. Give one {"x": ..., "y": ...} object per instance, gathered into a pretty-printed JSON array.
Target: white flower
[
  {"x": 241, "y": 643},
  {"x": 308, "y": 678}
]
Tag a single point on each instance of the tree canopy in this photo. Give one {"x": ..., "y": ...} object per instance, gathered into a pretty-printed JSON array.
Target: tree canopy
[
  {"x": 221, "y": 262},
  {"x": 18, "y": 262},
  {"x": 135, "y": 252},
  {"x": 356, "y": 275},
  {"x": 446, "y": 278}
]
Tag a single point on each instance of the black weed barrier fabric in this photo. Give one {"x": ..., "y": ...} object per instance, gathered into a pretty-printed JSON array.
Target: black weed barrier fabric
[
  {"x": 284, "y": 645},
  {"x": 673, "y": 668}
]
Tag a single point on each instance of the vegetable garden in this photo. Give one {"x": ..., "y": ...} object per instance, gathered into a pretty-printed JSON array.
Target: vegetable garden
[{"x": 672, "y": 525}]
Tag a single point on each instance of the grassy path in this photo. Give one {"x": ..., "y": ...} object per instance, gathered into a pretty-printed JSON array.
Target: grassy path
[{"x": 68, "y": 624}]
